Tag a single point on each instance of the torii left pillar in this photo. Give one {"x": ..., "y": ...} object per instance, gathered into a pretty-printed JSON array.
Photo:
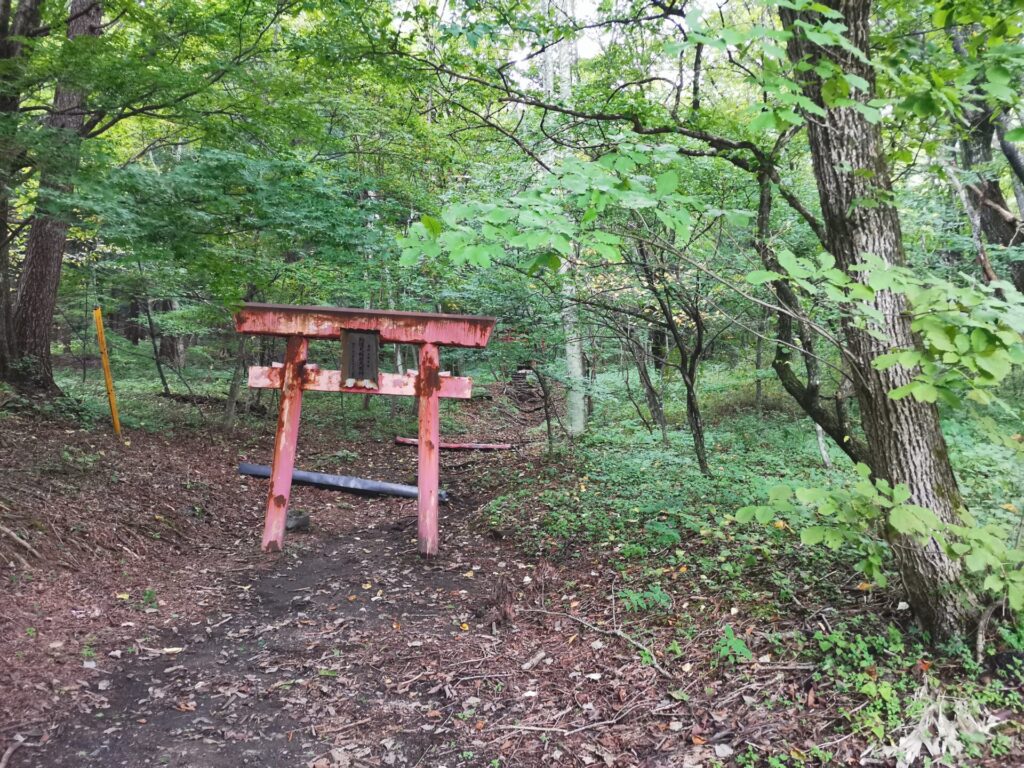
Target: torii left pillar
[
  {"x": 286, "y": 441},
  {"x": 299, "y": 324}
]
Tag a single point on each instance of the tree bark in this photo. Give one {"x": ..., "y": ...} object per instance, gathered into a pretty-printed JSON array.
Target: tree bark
[
  {"x": 904, "y": 436},
  {"x": 47, "y": 237},
  {"x": 15, "y": 24}
]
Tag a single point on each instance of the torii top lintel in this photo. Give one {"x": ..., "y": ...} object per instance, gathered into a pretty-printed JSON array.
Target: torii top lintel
[{"x": 393, "y": 327}]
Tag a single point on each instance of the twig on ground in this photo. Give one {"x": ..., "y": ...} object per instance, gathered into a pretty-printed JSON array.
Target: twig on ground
[
  {"x": 21, "y": 541},
  {"x": 612, "y": 632},
  {"x": 570, "y": 731},
  {"x": 339, "y": 729},
  {"x": 18, "y": 742}
]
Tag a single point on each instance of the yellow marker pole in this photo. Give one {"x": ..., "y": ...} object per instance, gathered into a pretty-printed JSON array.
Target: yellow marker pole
[{"x": 101, "y": 340}]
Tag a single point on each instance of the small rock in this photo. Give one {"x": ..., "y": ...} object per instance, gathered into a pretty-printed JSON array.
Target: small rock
[{"x": 297, "y": 521}]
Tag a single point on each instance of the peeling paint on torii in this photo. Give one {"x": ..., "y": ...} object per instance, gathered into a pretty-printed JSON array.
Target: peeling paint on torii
[{"x": 428, "y": 385}]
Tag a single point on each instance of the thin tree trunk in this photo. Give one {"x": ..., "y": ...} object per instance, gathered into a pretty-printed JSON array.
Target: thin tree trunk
[
  {"x": 819, "y": 433},
  {"x": 235, "y": 389},
  {"x": 652, "y": 395},
  {"x": 156, "y": 349},
  {"x": 762, "y": 328},
  {"x": 808, "y": 396},
  {"x": 6, "y": 314},
  {"x": 636, "y": 405},
  {"x": 905, "y": 438},
  {"x": 696, "y": 423},
  {"x": 546, "y": 392}
]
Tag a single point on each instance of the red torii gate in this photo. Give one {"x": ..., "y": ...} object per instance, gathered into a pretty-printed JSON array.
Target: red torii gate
[{"x": 299, "y": 325}]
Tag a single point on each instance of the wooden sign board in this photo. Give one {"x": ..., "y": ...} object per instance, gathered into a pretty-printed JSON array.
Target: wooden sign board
[{"x": 359, "y": 355}]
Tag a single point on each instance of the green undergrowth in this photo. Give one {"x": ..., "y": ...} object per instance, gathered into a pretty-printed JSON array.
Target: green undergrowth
[{"x": 620, "y": 496}]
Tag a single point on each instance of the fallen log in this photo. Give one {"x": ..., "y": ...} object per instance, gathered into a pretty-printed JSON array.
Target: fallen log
[
  {"x": 459, "y": 446},
  {"x": 347, "y": 483}
]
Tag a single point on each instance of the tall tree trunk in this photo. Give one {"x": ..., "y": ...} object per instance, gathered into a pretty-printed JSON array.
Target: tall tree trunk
[
  {"x": 556, "y": 72},
  {"x": 44, "y": 251},
  {"x": 6, "y": 307},
  {"x": 15, "y": 25},
  {"x": 696, "y": 423},
  {"x": 904, "y": 436}
]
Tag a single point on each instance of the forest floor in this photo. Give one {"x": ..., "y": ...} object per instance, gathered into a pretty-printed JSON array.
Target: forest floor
[{"x": 150, "y": 630}]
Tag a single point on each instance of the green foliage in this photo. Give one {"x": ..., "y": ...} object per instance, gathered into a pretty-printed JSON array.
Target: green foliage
[
  {"x": 574, "y": 207},
  {"x": 730, "y": 648},
  {"x": 653, "y": 598},
  {"x": 852, "y": 514},
  {"x": 971, "y": 336}
]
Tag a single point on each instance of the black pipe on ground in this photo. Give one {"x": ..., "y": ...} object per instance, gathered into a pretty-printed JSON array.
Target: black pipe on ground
[{"x": 341, "y": 482}]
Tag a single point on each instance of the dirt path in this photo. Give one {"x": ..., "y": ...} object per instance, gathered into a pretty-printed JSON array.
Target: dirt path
[
  {"x": 349, "y": 649},
  {"x": 313, "y": 649}
]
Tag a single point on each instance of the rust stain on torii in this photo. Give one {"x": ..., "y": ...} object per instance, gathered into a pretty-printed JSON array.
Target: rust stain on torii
[
  {"x": 393, "y": 327},
  {"x": 299, "y": 324}
]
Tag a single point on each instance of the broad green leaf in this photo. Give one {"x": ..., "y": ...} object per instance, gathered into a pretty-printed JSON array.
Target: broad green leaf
[
  {"x": 666, "y": 183},
  {"x": 762, "y": 276},
  {"x": 764, "y": 515},
  {"x": 812, "y": 535},
  {"x": 432, "y": 225}
]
